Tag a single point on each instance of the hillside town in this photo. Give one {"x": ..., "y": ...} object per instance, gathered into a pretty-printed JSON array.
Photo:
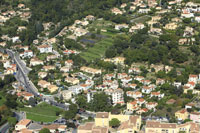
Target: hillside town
[{"x": 135, "y": 70}]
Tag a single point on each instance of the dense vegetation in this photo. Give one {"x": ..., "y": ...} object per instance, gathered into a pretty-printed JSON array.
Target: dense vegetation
[
  {"x": 70, "y": 10},
  {"x": 66, "y": 12},
  {"x": 136, "y": 48},
  {"x": 142, "y": 47},
  {"x": 7, "y": 101}
]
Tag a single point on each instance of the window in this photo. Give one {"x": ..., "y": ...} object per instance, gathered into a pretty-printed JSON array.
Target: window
[{"x": 164, "y": 131}]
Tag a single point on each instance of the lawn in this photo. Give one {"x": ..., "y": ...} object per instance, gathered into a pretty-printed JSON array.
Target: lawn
[
  {"x": 141, "y": 19},
  {"x": 101, "y": 24},
  {"x": 98, "y": 50},
  {"x": 151, "y": 75},
  {"x": 42, "y": 112}
]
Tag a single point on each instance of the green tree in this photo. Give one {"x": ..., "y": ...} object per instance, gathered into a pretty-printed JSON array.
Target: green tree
[
  {"x": 12, "y": 121},
  {"x": 78, "y": 60},
  {"x": 71, "y": 113},
  {"x": 81, "y": 101},
  {"x": 11, "y": 101},
  {"x": 154, "y": 57},
  {"x": 9, "y": 79},
  {"x": 32, "y": 101},
  {"x": 169, "y": 109},
  {"x": 110, "y": 53},
  {"x": 98, "y": 31},
  {"x": 166, "y": 86},
  {"x": 114, "y": 122},
  {"x": 45, "y": 130},
  {"x": 187, "y": 20},
  {"x": 173, "y": 120},
  {"x": 195, "y": 49},
  {"x": 106, "y": 65},
  {"x": 100, "y": 102},
  {"x": 38, "y": 27},
  {"x": 93, "y": 36},
  {"x": 197, "y": 87},
  {"x": 161, "y": 74}
]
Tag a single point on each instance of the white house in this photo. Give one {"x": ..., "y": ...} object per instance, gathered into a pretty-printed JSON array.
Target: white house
[
  {"x": 45, "y": 48},
  {"x": 134, "y": 94},
  {"x": 197, "y": 18},
  {"x": 188, "y": 32},
  {"x": 6, "y": 63},
  {"x": 139, "y": 78},
  {"x": 156, "y": 31},
  {"x": 35, "y": 62},
  {"x": 147, "y": 89},
  {"x": 116, "y": 11},
  {"x": 79, "y": 88},
  {"x": 146, "y": 82},
  {"x": 133, "y": 86},
  {"x": 101, "y": 87},
  {"x": 80, "y": 32},
  {"x": 65, "y": 69},
  {"x": 186, "y": 14},
  {"x": 90, "y": 18},
  {"x": 134, "y": 70},
  {"x": 193, "y": 78},
  {"x": 136, "y": 27},
  {"x": 69, "y": 63},
  {"x": 177, "y": 84},
  {"x": 15, "y": 39},
  {"x": 126, "y": 80},
  {"x": 141, "y": 101},
  {"x": 3, "y": 19},
  {"x": 151, "y": 105},
  {"x": 121, "y": 26},
  {"x": 122, "y": 75},
  {"x": 157, "y": 94},
  {"x": 66, "y": 94},
  {"x": 26, "y": 53},
  {"x": 109, "y": 76},
  {"x": 191, "y": 84},
  {"x": 144, "y": 10},
  {"x": 160, "y": 81}
]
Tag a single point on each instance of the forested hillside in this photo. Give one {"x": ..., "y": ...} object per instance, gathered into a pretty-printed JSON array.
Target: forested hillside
[
  {"x": 65, "y": 12},
  {"x": 68, "y": 10}
]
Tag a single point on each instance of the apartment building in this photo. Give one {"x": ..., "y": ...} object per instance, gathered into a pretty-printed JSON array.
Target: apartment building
[
  {"x": 117, "y": 95},
  {"x": 158, "y": 127}
]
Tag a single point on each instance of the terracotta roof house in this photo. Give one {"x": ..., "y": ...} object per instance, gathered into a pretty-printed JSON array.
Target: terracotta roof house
[
  {"x": 23, "y": 124},
  {"x": 171, "y": 101}
]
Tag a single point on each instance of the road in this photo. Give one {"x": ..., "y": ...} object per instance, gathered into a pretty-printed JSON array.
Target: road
[
  {"x": 5, "y": 128},
  {"x": 23, "y": 71},
  {"x": 20, "y": 115},
  {"x": 87, "y": 114},
  {"x": 22, "y": 77}
]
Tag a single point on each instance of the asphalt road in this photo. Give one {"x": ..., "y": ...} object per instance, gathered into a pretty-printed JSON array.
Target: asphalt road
[
  {"x": 4, "y": 128},
  {"x": 28, "y": 85}
]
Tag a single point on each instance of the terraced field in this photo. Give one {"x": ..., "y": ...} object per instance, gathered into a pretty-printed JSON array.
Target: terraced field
[{"x": 99, "y": 48}]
